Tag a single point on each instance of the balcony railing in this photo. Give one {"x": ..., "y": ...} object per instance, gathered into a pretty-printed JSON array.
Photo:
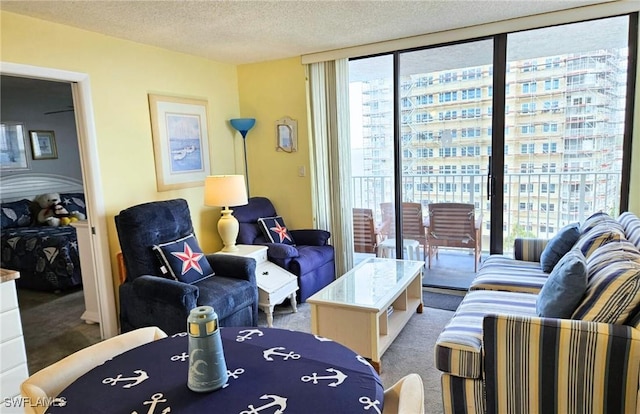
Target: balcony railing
[{"x": 535, "y": 204}]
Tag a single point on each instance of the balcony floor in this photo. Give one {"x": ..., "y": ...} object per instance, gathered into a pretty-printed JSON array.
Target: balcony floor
[{"x": 452, "y": 270}]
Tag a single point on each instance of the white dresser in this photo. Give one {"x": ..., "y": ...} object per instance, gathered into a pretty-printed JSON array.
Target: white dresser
[
  {"x": 274, "y": 283},
  {"x": 13, "y": 358},
  {"x": 83, "y": 232}
]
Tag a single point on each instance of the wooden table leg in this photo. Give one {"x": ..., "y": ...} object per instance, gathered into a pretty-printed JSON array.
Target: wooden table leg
[
  {"x": 419, "y": 309},
  {"x": 377, "y": 366}
]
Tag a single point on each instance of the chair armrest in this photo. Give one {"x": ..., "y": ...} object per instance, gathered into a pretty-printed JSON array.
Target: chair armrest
[
  {"x": 596, "y": 363},
  {"x": 528, "y": 249},
  {"x": 236, "y": 267},
  {"x": 281, "y": 251},
  {"x": 478, "y": 223},
  {"x": 311, "y": 237},
  {"x": 170, "y": 292}
]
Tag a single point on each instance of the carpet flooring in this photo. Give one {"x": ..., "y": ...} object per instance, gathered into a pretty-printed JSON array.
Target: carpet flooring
[{"x": 53, "y": 329}]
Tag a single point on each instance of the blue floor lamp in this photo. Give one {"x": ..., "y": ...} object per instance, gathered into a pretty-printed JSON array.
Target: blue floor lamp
[{"x": 243, "y": 125}]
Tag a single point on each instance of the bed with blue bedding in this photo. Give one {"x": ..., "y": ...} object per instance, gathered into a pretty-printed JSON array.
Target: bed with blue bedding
[{"x": 46, "y": 257}]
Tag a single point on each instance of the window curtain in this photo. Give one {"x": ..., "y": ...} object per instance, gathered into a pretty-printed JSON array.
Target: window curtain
[{"x": 331, "y": 155}]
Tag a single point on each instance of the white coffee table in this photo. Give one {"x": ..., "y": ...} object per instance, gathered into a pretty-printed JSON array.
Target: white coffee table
[
  {"x": 367, "y": 307},
  {"x": 274, "y": 283}
]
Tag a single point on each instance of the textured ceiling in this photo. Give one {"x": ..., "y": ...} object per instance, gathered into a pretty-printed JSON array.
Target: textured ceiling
[{"x": 252, "y": 31}]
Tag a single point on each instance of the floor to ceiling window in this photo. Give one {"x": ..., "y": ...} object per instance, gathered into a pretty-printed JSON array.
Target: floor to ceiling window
[
  {"x": 564, "y": 117},
  {"x": 432, "y": 139}
]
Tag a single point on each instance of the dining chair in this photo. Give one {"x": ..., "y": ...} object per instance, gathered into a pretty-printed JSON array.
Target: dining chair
[
  {"x": 47, "y": 383},
  {"x": 405, "y": 396},
  {"x": 365, "y": 234},
  {"x": 412, "y": 224},
  {"x": 454, "y": 225}
]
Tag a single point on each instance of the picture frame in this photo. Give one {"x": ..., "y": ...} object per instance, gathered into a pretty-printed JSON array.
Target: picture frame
[
  {"x": 13, "y": 147},
  {"x": 286, "y": 135},
  {"x": 179, "y": 129},
  {"x": 43, "y": 145}
]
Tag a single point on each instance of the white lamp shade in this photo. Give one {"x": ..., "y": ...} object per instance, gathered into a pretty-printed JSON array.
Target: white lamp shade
[{"x": 225, "y": 191}]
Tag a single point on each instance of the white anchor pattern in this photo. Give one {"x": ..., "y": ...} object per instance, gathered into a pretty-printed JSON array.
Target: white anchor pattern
[{"x": 150, "y": 381}]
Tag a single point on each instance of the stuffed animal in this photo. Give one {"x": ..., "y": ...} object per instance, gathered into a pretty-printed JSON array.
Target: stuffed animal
[{"x": 53, "y": 213}]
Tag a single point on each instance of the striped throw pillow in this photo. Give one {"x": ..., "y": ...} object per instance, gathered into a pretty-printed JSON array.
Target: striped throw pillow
[
  {"x": 598, "y": 236},
  {"x": 612, "y": 252},
  {"x": 613, "y": 292},
  {"x": 595, "y": 219},
  {"x": 631, "y": 224}
]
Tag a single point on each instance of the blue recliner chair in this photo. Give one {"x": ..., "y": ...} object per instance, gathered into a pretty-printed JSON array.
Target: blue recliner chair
[
  {"x": 149, "y": 299},
  {"x": 312, "y": 259}
]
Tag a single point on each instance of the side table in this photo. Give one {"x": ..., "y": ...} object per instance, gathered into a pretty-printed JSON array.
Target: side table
[{"x": 274, "y": 283}]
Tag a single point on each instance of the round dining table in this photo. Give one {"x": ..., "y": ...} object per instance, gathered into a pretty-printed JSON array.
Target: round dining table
[{"x": 270, "y": 371}]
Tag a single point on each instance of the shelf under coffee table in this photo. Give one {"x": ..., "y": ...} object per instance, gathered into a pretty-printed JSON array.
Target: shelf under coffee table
[{"x": 367, "y": 307}]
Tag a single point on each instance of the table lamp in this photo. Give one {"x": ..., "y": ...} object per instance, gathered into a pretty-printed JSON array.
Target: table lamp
[
  {"x": 224, "y": 191},
  {"x": 243, "y": 125}
]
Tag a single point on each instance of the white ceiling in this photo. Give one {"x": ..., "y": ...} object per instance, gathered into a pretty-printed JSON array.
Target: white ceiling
[{"x": 237, "y": 31}]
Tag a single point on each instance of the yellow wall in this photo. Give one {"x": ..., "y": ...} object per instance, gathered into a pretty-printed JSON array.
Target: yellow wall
[
  {"x": 270, "y": 91},
  {"x": 122, "y": 73}
]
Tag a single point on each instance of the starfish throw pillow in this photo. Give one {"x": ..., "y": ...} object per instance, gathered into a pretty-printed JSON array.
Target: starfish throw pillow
[
  {"x": 275, "y": 230},
  {"x": 183, "y": 260}
]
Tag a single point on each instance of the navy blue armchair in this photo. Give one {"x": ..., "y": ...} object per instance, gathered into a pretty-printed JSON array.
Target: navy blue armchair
[
  {"x": 149, "y": 299},
  {"x": 312, "y": 259}
]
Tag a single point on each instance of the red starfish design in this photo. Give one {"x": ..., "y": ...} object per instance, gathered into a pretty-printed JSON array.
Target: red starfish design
[
  {"x": 281, "y": 231},
  {"x": 190, "y": 260}
]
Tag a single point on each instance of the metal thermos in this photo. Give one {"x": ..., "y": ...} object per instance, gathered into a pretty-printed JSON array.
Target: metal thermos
[{"x": 207, "y": 367}]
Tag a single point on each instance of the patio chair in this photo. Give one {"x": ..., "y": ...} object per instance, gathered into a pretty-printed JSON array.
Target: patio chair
[
  {"x": 454, "y": 225},
  {"x": 365, "y": 234},
  {"x": 412, "y": 225}
]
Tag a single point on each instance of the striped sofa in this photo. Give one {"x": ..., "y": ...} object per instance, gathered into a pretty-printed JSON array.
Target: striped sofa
[{"x": 497, "y": 356}]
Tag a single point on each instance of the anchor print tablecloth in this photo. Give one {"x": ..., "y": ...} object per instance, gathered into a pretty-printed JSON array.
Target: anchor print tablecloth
[{"x": 270, "y": 371}]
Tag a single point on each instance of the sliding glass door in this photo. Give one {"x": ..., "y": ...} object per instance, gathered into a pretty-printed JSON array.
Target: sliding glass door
[
  {"x": 564, "y": 116},
  {"x": 445, "y": 125},
  {"x": 549, "y": 148}
]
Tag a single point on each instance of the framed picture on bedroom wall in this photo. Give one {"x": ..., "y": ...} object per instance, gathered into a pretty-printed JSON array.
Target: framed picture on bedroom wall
[
  {"x": 179, "y": 129},
  {"x": 13, "y": 147},
  {"x": 43, "y": 145}
]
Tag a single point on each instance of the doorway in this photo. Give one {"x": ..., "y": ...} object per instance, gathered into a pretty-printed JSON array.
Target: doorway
[{"x": 87, "y": 141}]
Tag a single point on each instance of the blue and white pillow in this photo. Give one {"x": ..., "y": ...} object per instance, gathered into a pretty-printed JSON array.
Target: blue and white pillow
[
  {"x": 15, "y": 214},
  {"x": 74, "y": 202},
  {"x": 183, "y": 260},
  {"x": 275, "y": 230}
]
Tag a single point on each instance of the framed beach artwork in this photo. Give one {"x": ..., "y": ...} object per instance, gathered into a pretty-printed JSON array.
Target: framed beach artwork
[
  {"x": 13, "y": 148},
  {"x": 180, "y": 141}
]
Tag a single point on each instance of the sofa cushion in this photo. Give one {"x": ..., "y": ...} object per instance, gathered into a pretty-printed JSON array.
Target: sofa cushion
[
  {"x": 599, "y": 235},
  {"x": 558, "y": 246},
  {"x": 275, "y": 230},
  {"x": 612, "y": 252},
  {"x": 631, "y": 225},
  {"x": 16, "y": 214},
  {"x": 503, "y": 273},
  {"x": 183, "y": 260},
  {"x": 458, "y": 349},
  {"x": 595, "y": 219},
  {"x": 613, "y": 292},
  {"x": 564, "y": 288}
]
